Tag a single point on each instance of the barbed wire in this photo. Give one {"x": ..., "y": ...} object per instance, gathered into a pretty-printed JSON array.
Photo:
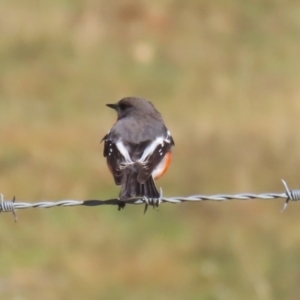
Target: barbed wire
[{"x": 289, "y": 195}]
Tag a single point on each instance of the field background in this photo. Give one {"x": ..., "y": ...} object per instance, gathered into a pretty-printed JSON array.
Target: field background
[{"x": 225, "y": 76}]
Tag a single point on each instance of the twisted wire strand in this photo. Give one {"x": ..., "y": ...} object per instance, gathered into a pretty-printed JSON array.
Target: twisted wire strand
[{"x": 289, "y": 195}]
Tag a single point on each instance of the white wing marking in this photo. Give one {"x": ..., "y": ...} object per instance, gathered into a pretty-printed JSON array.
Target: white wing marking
[
  {"x": 151, "y": 148},
  {"x": 123, "y": 150}
]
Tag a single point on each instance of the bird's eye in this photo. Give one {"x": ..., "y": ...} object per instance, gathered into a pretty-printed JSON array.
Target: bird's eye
[{"x": 123, "y": 106}]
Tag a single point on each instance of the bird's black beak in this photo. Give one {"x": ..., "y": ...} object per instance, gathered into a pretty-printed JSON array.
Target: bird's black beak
[{"x": 113, "y": 106}]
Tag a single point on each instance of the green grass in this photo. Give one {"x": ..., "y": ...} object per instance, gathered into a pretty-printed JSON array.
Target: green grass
[{"x": 225, "y": 76}]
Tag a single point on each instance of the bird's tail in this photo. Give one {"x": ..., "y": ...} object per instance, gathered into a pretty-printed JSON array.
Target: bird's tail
[{"x": 132, "y": 188}]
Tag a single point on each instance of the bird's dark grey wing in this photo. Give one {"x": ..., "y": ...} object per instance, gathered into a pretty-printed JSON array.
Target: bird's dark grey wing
[
  {"x": 114, "y": 159},
  {"x": 153, "y": 155}
]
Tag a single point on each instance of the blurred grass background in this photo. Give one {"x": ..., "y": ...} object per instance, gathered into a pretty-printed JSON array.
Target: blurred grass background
[{"x": 225, "y": 76}]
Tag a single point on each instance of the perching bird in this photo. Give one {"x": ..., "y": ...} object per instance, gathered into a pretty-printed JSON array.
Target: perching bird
[{"x": 137, "y": 148}]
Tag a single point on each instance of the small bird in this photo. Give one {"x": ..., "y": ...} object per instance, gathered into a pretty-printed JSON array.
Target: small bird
[{"x": 137, "y": 148}]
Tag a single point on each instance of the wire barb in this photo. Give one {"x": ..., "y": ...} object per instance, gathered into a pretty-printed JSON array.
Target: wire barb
[
  {"x": 293, "y": 195},
  {"x": 155, "y": 202},
  {"x": 8, "y": 206},
  {"x": 289, "y": 195}
]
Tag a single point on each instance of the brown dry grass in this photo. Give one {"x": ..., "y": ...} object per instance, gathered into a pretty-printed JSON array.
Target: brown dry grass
[{"x": 224, "y": 74}]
